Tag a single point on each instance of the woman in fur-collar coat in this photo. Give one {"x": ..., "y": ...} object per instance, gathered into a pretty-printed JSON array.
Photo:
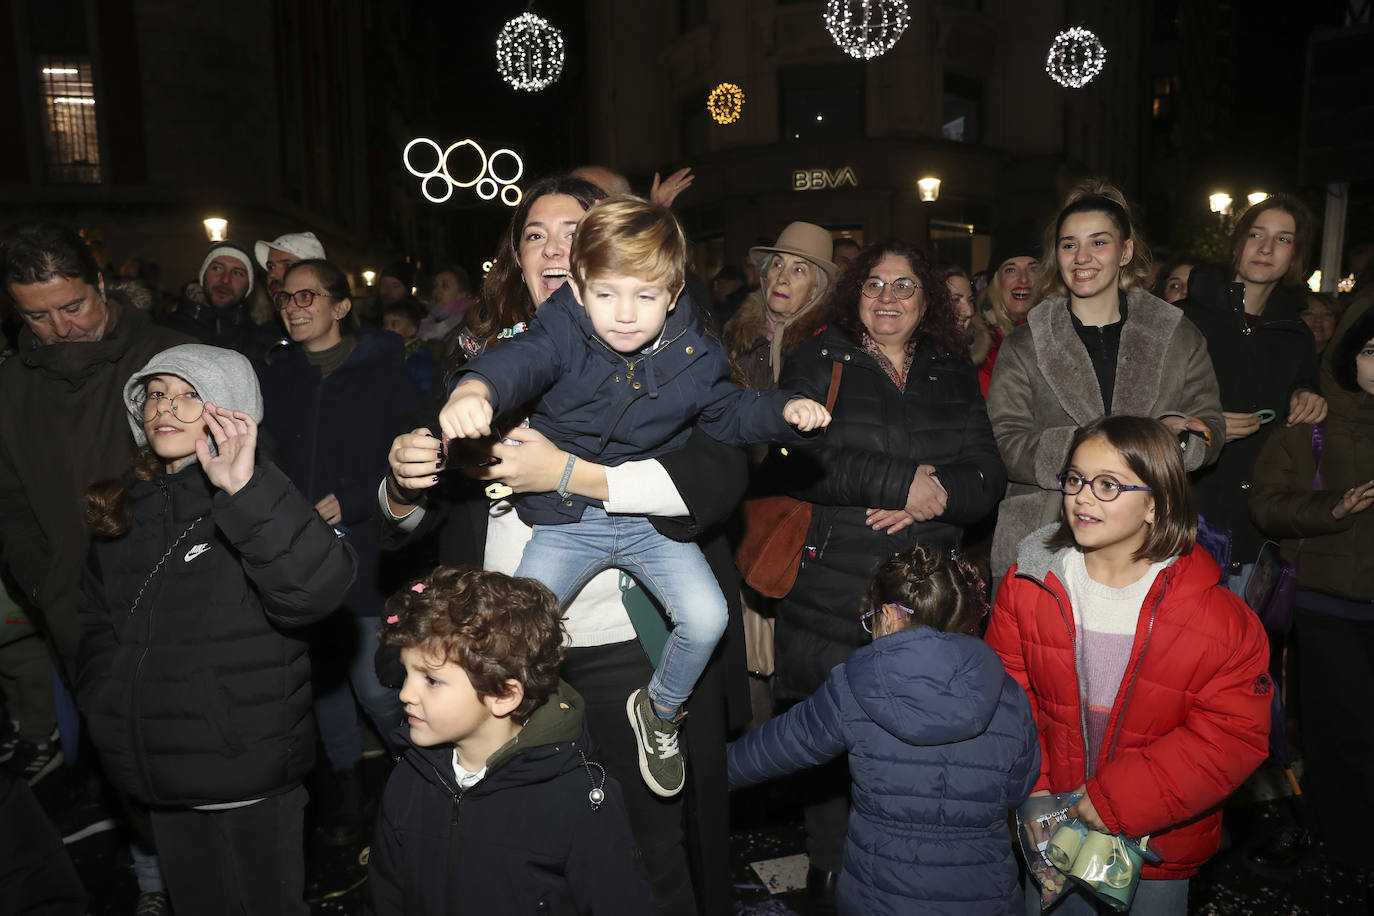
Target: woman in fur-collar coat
[{"x": 1096, "y": 344}]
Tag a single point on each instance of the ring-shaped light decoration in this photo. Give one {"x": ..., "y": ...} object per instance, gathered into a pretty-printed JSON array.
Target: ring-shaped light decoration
[
  {"x": 519, "y": 196},
  {"x": 725, "y": 103},
  {"x": 529, "y": 53},
  {"x": 866, "y": 28},
  {"x": 1076, "y": 56},
  {"x": 424, "y": 188},
  {"x": 487, "y": 182},
  {"x": 519, "y": 167},
  {"x": 480, "y": 172},
  {"x": 438, "y": 158}
]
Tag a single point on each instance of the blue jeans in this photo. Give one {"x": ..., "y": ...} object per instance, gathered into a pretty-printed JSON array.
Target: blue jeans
[
  {"x": 1152, "y": 898},
  {"x": 342, "y": 653},
  {"x": 565, "y": 557}
]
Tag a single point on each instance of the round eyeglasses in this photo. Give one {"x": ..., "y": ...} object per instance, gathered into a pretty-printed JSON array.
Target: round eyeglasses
[
  {"x": 1103, "y": 486},
  {"x": 867, "y": 623},
  {"x": 186, "y": 407},
  {"x": 903, "y": 288},
  {"x": 304, "y": 298}
]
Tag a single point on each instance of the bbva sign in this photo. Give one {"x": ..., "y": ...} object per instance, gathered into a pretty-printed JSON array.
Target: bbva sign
[{"x": 821, "y": 179}]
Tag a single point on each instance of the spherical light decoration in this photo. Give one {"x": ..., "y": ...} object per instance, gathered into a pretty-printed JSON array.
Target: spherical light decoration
[
  {"x": 529, "y": 53},
  {"x": 725, "y": 103},
  {"x": 866, "y": 28},
  {"x": 1076, "y": 56}
]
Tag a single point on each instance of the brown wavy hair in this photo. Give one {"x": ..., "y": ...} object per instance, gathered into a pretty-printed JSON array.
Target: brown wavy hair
[
  {"x": 1302, "y": 233},
  {"x": 938, "y": 323},
  {"x": 493, "y": 626},
  {"x": 941, "y": 589},
  {"x": 1151, "y": 451},
  {"x": 109, "y": 510}
]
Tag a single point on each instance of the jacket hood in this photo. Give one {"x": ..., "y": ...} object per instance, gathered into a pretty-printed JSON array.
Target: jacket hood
[
  {"x": 1349, "y": 406},
  {"x": 927, "y": 687},
  {"x": 1195, "y": 570},
  {"x": 222, "y": 377}
]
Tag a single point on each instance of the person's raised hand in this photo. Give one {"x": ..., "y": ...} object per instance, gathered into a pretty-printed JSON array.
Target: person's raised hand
[
  {"x": 1356, "y": 499},
  {"x": 414, "y": 460},
  {"x": 236, "y": 440},
  {"x": 666, "y": 191},
  {"x": 1306, "y": 407},
  {"x": 926, "y": 498},
  {"x": 1239, "y": 425},
  {"x": 806, "y": 414},
  {"x": 467, "y": 414}
]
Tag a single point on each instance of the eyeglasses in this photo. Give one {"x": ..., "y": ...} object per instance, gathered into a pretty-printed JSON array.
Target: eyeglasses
[
  {"x": 896, "y": 608},
  {"x": 904, "y": 288},
  {"x": 186, "y": 407},
  {"x": 304, "y": 298},
  {"x": 1103, "y": 486}
]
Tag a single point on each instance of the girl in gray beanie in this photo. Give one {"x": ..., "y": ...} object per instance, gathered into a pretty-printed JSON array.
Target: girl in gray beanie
[{"x": 206, "y": 561}]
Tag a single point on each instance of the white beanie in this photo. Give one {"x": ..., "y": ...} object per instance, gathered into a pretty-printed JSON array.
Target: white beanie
[
  {"x": 233, "y": 250},
  {"x": 303, "y": 245}
]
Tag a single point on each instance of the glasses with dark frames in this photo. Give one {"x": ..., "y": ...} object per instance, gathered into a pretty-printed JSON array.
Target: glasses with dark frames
[
  {"x": 304, "y": 298},
  {"x": 1104, "y": 486}
]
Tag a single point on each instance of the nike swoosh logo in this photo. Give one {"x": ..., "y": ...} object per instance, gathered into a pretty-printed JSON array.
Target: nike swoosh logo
[{"x": 195, "y": 552}]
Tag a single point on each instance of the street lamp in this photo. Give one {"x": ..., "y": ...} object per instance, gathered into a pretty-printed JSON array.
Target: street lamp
[
  {"x": 215, "y": 228},
  {"x": 1220, "y": 202},
  {"x": 1256, "y": 196},
  {"x": 369, "y": 276},
  {"x": 929, "y": 188}
]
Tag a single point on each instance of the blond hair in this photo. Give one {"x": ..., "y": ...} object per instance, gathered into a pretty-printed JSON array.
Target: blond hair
[
  {"x": 631, "y": 237},
  {"x": 1095, "y": 195}
]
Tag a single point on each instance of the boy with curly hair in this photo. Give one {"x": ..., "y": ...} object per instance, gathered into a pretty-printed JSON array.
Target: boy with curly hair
[{"x": 496, "y": 806}]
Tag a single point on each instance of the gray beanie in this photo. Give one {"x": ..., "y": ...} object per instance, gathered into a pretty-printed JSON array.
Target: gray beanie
[{"x": 222, "y": 377}]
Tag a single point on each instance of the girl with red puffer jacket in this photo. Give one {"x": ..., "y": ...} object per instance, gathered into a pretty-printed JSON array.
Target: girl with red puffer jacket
[{"x": 1147, "y": 679}]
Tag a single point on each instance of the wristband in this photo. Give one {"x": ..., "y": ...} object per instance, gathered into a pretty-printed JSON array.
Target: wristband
[
  {"x": 567, "y": 476},
  {"x": 393, "y": 494}
]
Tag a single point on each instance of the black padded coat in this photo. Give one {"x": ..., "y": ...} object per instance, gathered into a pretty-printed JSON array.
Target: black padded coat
[
  {"x": 867, "y": 459},
  {"x": 195, "y": 690}
]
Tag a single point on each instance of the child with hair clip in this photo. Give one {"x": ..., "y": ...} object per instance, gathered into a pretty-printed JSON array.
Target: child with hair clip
[
  {"x": 195, "y": 688},
  {"x": 941, "y": 746},
  {"x": 1148, "y": 679}
]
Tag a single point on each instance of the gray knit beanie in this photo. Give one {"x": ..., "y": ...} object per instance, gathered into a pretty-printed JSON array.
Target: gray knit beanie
[{"x": 222, "y": 377}]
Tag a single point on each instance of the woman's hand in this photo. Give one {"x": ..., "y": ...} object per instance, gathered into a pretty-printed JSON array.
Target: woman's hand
[
  {"x": 414, "y": 461},
  {"x": 1239, "y": 425},
  {"x": 893, "y": 520},
  {"x": 1083, "y": 810},
  {"x": 236, "y": 439},
  {"x": 926, "y": 498},
  {"x": 1306, "y": 407},
  {"x": 535, "y": 465},
  {"x": 1179, "y": 425},
  {"x": 1356, "y": 499},
  {"x": 329, "y": 509},
  {"x": 666, "y": 191}
]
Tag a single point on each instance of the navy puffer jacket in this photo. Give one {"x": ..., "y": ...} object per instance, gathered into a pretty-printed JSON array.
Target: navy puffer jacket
[{"x": 941, "y": 745}]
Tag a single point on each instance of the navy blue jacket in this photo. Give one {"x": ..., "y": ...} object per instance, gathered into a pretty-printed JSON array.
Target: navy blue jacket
[
  {"x": 941, "y": 745},
  {"x": 609, "y": 408},
  {"x": 333, "y": 435}
]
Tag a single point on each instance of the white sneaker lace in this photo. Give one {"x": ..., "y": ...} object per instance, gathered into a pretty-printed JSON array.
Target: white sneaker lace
[{"x": 667, "y": 744}]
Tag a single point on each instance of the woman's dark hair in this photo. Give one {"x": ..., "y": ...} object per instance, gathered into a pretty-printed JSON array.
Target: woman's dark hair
[
  {"x": 109, "y": 510},
  {"x": 1151, "y": 451},
  {"x": 334, "y": 282},
  {"x": 505, "y": 300},
  {"x": 1161, "y": 284},
  {"x": 940, "y": 588},
  {"x": 951, "y": 271},
  {"x": 40, "y": 252},
  {"x": 1302, "y": 233},
  {"x": 459, "y": 273},
  {"x": 1348, "y": 349},
  {"x": 938, "y": 322}
]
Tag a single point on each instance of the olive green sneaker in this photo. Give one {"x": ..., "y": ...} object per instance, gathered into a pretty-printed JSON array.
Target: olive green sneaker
[{"x": 660, "y": 760}]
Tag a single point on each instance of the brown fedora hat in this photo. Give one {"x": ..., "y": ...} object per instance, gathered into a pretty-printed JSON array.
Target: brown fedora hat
[{"x": 805, "y": 240}]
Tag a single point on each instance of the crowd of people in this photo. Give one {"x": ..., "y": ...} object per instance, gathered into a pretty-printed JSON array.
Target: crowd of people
[{"x": 498, "y": 537}]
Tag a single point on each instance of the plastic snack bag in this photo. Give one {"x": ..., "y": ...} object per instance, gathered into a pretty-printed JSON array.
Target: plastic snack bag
[
  {"x": 1037, "y": 820},
  {"x": 1058, "y": 848}
]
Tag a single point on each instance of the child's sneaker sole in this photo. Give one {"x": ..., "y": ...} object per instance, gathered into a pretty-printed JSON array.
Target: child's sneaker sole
[{"x": 660, "y": 761}]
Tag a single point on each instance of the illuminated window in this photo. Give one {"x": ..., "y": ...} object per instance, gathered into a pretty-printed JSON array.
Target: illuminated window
[{"x": 71, "y": 138}]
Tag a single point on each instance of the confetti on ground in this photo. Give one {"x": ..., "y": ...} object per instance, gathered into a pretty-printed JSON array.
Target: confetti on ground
[{"x": 782, "y": 875}]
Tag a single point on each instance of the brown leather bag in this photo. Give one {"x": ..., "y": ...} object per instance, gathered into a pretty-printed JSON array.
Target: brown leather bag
[{"x": 769, "y": 551}]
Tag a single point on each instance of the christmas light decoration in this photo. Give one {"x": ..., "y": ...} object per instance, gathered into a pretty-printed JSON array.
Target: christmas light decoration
[
  {"x": 866, "y": 28},
  {"x": 1076, "y": 56},
  {"x": 725, "y": 103},
  {"x": 529, "y": 53},
  {"x": 486, "y": 183}
]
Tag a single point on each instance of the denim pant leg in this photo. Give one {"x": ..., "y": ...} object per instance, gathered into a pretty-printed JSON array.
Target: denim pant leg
[
  {"x": 678, "y": 575},
  {"x": 381, "y": 703},
  {"x": 565, "y": 557}
]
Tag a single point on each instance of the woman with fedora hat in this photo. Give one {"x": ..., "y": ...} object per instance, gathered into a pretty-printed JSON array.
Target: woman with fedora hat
[{"x": 796, "y": 273}]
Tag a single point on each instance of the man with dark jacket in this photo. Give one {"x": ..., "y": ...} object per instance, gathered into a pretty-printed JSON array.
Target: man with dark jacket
[{"x": 225, "y": 318}]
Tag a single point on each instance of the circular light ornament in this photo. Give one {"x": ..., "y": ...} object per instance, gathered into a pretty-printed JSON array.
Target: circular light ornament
[
  {"x": 529, "y": 53},
  {"x": 866, "y": 28},
  {"x": 1075, "y": 57},
  {"x": 725, "y": 103}
]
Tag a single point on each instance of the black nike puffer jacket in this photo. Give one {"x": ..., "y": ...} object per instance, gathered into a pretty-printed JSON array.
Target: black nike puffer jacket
[{"x": 195, "y": 689}]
